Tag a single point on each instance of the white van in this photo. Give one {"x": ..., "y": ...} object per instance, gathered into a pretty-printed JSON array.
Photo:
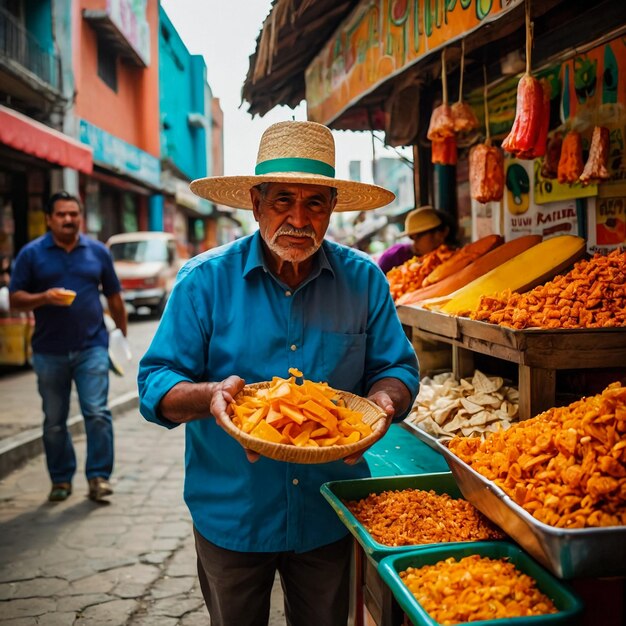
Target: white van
[{"x": 146, "y": 264}]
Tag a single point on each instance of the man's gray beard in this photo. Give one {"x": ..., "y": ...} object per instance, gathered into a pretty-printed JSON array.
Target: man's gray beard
[{"x": 294, "y": 255}]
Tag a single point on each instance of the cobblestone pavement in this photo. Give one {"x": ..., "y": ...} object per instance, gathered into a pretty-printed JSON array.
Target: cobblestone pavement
[{"x": 131, "y": 562}]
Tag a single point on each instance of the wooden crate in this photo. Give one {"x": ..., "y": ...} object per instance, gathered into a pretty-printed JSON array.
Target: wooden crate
[{"x": 538, "y": 353}]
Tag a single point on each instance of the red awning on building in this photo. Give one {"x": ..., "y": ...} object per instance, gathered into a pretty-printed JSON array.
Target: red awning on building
[{"x": 27, "y": 135}]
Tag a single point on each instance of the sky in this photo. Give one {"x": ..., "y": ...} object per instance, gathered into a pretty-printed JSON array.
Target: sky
[{"x": 225, "y": 33}]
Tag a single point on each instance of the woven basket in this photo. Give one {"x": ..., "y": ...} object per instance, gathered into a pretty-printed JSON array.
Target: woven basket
[{"x": 372, "y": 415}]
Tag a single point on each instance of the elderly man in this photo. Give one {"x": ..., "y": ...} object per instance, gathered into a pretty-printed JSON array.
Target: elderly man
[{"x": 281, "y": 298}]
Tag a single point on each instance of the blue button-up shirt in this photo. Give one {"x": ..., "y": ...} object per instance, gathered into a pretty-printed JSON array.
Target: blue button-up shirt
[
  {"x": 228, "y": 314},
  {"x": 41, "y": 265}
]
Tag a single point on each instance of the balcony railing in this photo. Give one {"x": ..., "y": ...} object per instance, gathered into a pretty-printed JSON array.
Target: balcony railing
[{"x": 19, "y": 46}]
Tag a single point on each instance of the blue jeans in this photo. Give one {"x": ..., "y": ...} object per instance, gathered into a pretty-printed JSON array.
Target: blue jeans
[{"x": 89, "y": 369}]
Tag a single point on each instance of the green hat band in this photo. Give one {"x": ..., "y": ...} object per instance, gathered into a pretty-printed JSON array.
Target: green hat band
[{"x": 311, "y": 166}]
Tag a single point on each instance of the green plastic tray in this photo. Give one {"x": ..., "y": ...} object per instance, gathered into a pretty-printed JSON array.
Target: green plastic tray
[
  {"x": 568, "y": 604},
  {"x": 339, "y": 490}
]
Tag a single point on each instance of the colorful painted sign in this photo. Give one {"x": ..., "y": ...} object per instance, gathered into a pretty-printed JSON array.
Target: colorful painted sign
[
  {"x": 593, "y": 82},
  {"x": 381, "y": 38},
  {"x": 550, "y": 190},
  {"x": 115, "y": 153},
  {"x": 129, "y": 16},
  {"x": 607, "y": 224},
  {"x": 524, "y": 216}
]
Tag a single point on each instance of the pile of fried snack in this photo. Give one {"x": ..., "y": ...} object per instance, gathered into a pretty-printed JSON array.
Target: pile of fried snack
[
  {"x": 414, "y": 516},
  {"x": 475, "y": 588},
  {"x": 307, "y": 415},
  {"x": 446, "y": 407},
  {"x": 411, "y": 275},
  {"x": 566, "y": 466},
  {"x": 591, "y": 295}
]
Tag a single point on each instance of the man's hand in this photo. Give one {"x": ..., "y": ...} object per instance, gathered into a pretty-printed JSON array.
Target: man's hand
[
  {"x": 384, "y": 401},
  {"x": 56, "y": 296},
  {"x": 25, "y": 301},
  {"x": 223, "y": 395},
  {"x": 390, "y": 395},
  {"x": 117, "y": 309},
  {"x": 381, "y": 399}
]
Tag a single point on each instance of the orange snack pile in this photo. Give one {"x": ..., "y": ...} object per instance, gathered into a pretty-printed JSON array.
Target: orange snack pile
[
  {"x": 311, "y": 414},
  {"x": 566, "y": 466},
  {"x": 475, "y": 588},
  {"x": 413, "y": 516},
  {"x": 592, "y": 295},
  {"x": 410, "y": 275}
]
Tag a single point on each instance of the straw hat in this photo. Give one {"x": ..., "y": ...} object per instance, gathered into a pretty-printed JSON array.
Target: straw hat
[
  {"x": 293, "y": 152},
  {"x": 420, "y": 220}
]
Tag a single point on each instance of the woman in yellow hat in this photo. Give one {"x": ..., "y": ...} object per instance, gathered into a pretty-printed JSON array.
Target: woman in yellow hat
[{"x": 427, "y": 228}]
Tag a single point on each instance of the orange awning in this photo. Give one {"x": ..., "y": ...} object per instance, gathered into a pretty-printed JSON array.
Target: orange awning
[{"x": 27, "y": 135}]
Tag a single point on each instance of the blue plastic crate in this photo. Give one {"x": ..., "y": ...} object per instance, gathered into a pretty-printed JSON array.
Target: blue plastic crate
[{"x": 346, "y": 490}]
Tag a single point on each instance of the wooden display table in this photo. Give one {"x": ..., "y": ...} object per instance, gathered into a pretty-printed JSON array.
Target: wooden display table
[{"x": 538, "y": 353}]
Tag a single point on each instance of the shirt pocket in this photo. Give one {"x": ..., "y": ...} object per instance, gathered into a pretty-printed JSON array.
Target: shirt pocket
[{"x": 343, "y": 357}]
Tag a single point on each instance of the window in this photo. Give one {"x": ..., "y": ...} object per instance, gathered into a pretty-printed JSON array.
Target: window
[
  {"x": 107, "y": 64},
  {"x": 144, "y": 251}
]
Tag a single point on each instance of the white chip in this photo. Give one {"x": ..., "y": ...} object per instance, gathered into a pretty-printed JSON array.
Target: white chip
[
  {"x": 485, "y": 383},
  {"x": 471, "y": 407}
]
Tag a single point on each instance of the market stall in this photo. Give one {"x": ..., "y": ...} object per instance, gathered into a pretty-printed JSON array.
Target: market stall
[
  {"x": 572, "y": 320},
  {"x": 568, "y": 316},
  {"x": 516, "y": 115}
]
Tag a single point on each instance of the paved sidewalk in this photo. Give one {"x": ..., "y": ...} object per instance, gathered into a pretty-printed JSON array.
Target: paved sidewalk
[
  {"x": 20, "y": 405},
  {"x": 131, "y": 562}
]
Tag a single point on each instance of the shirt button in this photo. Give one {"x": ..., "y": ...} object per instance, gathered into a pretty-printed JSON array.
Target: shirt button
[
  {"x": 294, "y": 347},
  {"x": 295, "y": 481},
  {"x": 287, "y": 293}
]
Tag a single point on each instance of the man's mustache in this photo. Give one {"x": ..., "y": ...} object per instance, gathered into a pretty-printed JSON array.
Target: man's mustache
[{"x": 291, "y": 231}]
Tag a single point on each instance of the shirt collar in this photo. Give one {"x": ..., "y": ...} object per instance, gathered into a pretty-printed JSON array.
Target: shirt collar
[
  {"x": 49, "y": 241},
  {"x": 256, "y": 259}
]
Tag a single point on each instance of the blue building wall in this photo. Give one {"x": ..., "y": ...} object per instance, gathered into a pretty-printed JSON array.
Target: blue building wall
[
  {"x": 38, "y": 21},
  {"x": 185, "y": 115},
  {"x": 62, "y": 20},
  {"x": 202, "y": 97}
]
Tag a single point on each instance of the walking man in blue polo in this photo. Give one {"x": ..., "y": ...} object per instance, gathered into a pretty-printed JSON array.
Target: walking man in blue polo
[{"x": 59, "y": 276}]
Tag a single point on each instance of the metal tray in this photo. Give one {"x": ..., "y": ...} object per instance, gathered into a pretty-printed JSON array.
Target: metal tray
[
  {"x": 422, "y": 435},
  {"x": 569, "y": 605},
  {"x": 567, "y": 553},
  {"x": 337, "y": 491}
]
